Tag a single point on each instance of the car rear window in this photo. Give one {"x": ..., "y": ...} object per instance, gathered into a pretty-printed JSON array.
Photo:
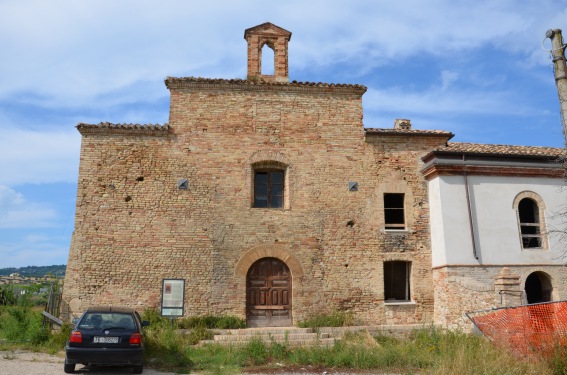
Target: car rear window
[{"x": 106, "y": 320}]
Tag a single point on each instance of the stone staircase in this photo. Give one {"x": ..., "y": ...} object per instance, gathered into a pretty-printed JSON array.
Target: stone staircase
[{"x": 283, "y": 335}]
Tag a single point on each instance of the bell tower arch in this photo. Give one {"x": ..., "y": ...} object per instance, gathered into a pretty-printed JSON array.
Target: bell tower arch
[{"x": 276, "y": 38}]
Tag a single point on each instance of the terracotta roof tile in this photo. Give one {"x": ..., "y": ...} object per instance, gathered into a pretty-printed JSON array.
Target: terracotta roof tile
[
  {"x": 408, "y": 132},
  {"x": 181, "y": 81},
  {"x": 107, "y": 127},
  {"x": 500, "y": 150}
]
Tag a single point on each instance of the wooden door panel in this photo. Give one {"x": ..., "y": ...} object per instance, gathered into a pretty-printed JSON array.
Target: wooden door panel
[
  {"x": 275, "y": 301},
  {"x": 285, "y": 297},
  {"x": 268, "y": 294}
]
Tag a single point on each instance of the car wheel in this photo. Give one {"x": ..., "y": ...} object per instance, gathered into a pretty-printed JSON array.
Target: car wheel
[
  {"x": 69, "y": 368},
  {"x": 138, "y": 369}
]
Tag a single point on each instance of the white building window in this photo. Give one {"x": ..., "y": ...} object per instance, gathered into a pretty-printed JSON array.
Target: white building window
[{"x": 530, "y": 214}]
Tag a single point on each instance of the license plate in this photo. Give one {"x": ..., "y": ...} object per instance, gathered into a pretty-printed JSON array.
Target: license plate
[{"x": 105, "y": 340}]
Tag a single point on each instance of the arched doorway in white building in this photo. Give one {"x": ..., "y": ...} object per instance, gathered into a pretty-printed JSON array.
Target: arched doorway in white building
[{"x": 538, "y": 287}]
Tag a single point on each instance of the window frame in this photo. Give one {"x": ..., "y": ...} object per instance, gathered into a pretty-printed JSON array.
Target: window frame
[
  {"x": 529, "y": 238},
  {"x": 269, "y": 184},
  {"x": 391, "y": 291},
  {"x": 539, "y": 221},
  {"x": 390, "y": 211}
]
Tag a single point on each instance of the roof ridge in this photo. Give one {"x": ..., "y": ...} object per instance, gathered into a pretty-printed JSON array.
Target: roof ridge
[
  {"x": 497, "y": 149},
  {"x": 502, "y": 145},
  {"x": 127, "y": 129},
  {"x": 110, "y": 124},
  {"x": 392, "y": 131},
  {"x": 260, "y": 82}
]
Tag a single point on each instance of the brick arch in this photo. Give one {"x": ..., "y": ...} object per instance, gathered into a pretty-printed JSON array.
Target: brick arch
[
  {"x": 265, "y": 155},
  {"x": 268, "y": 251},
  {"x": 271, "y": 43}
]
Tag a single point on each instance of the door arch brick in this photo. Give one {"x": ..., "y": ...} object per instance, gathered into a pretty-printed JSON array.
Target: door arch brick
[{"x": 268, "y": 251}]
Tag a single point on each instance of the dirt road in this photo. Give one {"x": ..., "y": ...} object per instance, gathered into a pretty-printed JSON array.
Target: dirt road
[{"x": 27, "y": 363}]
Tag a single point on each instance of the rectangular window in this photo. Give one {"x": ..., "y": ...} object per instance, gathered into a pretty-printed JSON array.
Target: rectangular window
[
  {"x": 397, "y": 281},
  {"x": 530, "y": 227},
  {"x": 394, "y": 211},
  {"x": 268, "y": 189}
]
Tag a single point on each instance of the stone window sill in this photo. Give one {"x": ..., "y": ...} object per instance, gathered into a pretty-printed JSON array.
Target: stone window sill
[
  {"x": 397, "y": 231},
  {"x": 269, "y": 209},
  {"x": 399, "y": 303}
]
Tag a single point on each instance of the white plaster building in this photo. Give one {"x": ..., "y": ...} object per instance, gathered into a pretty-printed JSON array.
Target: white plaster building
[{"x": 493, "y": 209}]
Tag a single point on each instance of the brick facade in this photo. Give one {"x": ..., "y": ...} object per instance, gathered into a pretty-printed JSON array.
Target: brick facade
[
  {"x": 134, "y": 226},
  {"x": 177, "y": 201}
]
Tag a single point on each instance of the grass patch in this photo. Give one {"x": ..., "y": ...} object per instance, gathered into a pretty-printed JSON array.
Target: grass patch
[
  {"x": 211, "y": 321},
  {"x": 168, "y": 348},
  {"x": 428, "y": 350},
  {"x": 22, "y": 324},
  {"x": 334, "y": 319}
]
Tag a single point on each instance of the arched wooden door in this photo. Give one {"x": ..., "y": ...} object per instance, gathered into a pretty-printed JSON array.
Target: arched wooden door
[{"x": 268, "y": 294}]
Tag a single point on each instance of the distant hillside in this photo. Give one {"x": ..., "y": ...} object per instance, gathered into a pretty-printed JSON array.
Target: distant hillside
[{"x": 35, "y": 271}]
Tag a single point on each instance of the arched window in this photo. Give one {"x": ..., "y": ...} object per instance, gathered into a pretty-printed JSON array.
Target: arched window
[
  {"x": 268, "y": 60},
  {"x": 529, "y": 210}
]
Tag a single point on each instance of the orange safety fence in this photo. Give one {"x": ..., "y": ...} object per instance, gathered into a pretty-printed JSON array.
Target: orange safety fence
[{"x": 528, "y": 329}]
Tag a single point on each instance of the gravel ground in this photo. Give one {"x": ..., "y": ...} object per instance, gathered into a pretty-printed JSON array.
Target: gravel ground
[
  {"x": 27, "y": 363},
  {"x": 20, "y": 362}
]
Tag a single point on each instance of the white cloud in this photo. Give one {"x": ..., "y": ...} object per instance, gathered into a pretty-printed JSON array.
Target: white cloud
[
  {"x": 440, "y": 101},
  {"x": 65, "y": 61},
  {"x": 30, "y": 251},
  {"x": 74, "y": 52},
  {"x": 447, "y": 79},
  {"x": 17, "y": 212},
  {"x": 37, "y": 157}
]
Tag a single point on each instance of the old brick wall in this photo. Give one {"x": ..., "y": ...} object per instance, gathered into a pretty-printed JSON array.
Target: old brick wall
[
  {"x": 460, "y": 289},
  {"x": 393, "y": 165},
  {"x": 134, "y": 227},
  {"x": 129, "y": 233}
]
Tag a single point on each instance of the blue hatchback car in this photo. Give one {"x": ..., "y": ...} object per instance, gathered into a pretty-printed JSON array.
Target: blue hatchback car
[{"x": 106, "y": 336}]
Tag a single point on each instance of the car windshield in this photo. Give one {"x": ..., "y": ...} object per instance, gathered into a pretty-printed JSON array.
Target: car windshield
[{"x": 107, "y": 320}]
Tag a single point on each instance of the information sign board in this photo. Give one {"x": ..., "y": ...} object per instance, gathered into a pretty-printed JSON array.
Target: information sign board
[{"x": 172, "y": 297}]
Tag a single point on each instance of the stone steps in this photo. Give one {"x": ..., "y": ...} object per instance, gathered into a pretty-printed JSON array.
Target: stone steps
[
  {"x": 288, "y": 335},
  {"x": 305, "y": 336}
]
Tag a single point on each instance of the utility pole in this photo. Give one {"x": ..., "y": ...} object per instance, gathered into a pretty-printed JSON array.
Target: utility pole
[{"x": 560, "y": 69}]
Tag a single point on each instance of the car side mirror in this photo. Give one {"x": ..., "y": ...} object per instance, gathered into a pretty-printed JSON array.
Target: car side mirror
[{"x": 145, "y": 323}]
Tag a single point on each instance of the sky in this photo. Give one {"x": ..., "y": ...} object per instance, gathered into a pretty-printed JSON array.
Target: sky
[{"x": 480, "y": 69}]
